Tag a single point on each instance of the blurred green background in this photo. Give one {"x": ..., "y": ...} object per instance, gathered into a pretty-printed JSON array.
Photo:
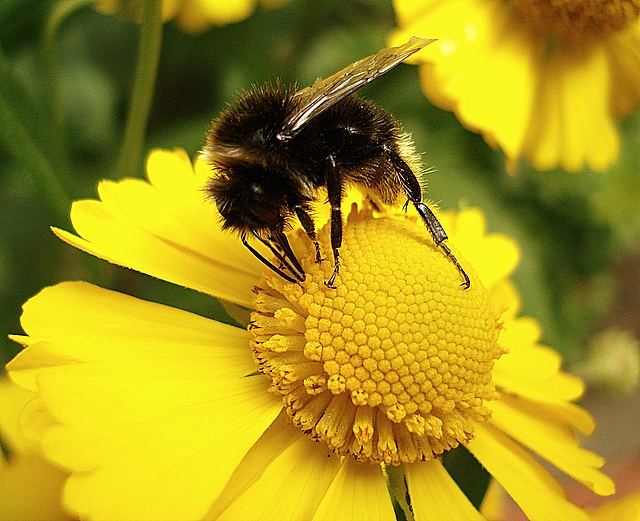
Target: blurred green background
[{"x": 65, "y": 85}]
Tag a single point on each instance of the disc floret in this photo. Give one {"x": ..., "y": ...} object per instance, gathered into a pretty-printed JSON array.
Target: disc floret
[{"x": 577, "y": 20}]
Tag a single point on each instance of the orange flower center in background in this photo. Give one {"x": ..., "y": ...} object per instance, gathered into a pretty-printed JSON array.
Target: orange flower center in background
[
  {"x": 392, "y": 366},
  {"x": 577, "y": 19}
]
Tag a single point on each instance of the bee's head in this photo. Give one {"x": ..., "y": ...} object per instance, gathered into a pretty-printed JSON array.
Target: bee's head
[
  {"x": 248, "y": 198},
  {"x": 248, "y": 185}
]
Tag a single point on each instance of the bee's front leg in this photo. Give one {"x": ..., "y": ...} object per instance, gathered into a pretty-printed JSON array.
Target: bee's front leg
[{"x": 307, "y": 223}]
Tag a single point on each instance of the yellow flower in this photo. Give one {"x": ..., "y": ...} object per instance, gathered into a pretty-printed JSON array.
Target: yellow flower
[
  {"x": 30, "y": 487},
  {"x": 163, "y": 414},
  {"x": 198, "y": 15},
  {"x": 543, "y": 80}
]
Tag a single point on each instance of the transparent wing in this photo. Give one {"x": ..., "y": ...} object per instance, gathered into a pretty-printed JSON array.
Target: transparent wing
[{"x": 318, "y": 97}]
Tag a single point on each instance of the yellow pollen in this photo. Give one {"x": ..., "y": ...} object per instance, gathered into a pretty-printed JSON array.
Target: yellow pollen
[
  {"x": 395, "y": 364},
  {"x": 576, "y": 20}
]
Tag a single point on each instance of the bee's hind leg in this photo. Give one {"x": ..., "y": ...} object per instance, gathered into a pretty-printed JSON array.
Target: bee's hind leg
[
  {"x": 307, "y": 223},
  {"x": 414, "y": 193}
]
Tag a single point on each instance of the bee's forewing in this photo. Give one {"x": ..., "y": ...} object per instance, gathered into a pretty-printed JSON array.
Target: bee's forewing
[{"x": 318, "y": 97}]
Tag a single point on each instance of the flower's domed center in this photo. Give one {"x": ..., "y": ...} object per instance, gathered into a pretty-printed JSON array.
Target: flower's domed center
[
  {"x": 574, "y": 20},
  {"x": 394, "y": 364}
]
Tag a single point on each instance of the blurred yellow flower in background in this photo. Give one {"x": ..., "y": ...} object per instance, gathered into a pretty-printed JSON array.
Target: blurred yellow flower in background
[
  {"x": 164, "y": 414},
  {"x": 623, "y": 506},
  {"x": 30, "y": 487},
  {"x": 544, "y": 80},
  {"x": 623, "y": 509},
  {"x": 199, "y": 15}
]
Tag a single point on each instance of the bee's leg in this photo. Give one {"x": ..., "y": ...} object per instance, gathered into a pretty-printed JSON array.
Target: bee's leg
[
  {"x": 414, "y": 193},
  {"x": 307, "y": 223},
  {"x": 334, "y": 191},
  {"x": 262, "y": 259},
  {"x": 279, "y": 238},
  {"x": 284, "y": 254}
]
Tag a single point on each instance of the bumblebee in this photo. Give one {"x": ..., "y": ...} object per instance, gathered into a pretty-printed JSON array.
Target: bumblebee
[{"x": 276, "y": 148}]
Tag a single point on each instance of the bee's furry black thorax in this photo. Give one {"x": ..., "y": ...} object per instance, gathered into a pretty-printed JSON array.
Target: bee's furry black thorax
[{"x": 255, "y": 171}]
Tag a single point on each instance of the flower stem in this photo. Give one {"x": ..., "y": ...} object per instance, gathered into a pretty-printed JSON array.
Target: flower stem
[{"x": 146, "y": 69}]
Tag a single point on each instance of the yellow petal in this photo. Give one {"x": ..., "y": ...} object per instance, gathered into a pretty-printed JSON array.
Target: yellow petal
[
  {"x": 623, "y": 509},
  {"x": 36, "y": 419},
  {"x": 85, "y": 323},
  {"x": 166, "y": 229},
  {"x": 529, "y": 369},
  {"x": 273, "y": 441},
  {"x": 561, "y": 412},
  {"x": 178, "y": 444},
  {"x": 500, "y": 80},
  {"x": 551, "y": 439},
  {"x": 358, "y": 492},
  {"x": 191, "y": 20},
  {"x": 573, "y": 125},
  {"x": 467, "y": 230},
  {"x": 522, "y": 333},
  {"x": 13, "y": 400},
  {"x": 291, "y": 483},
  {"x": 506, "y": 293},
  {"x": 520, "y": 359},
  {"x": 484, "y": 66},
  {"x": 495, "y": 258},
  {"x": 154, "y": 404},
  {"x": 493, "y": 503},
  {"x": 435, "y": 496},
  {"x": 31, "y": 490},
  {"x": 408, "y": 11},
  {"x": 524, "y": 479},
  {"x": 226, "y": 12},
  {"x": 240, "y": 314},
  {"x": 30, "y": 487},
  {"x": 518, "y": 376},
  {"x": 569, "y": 412}
]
